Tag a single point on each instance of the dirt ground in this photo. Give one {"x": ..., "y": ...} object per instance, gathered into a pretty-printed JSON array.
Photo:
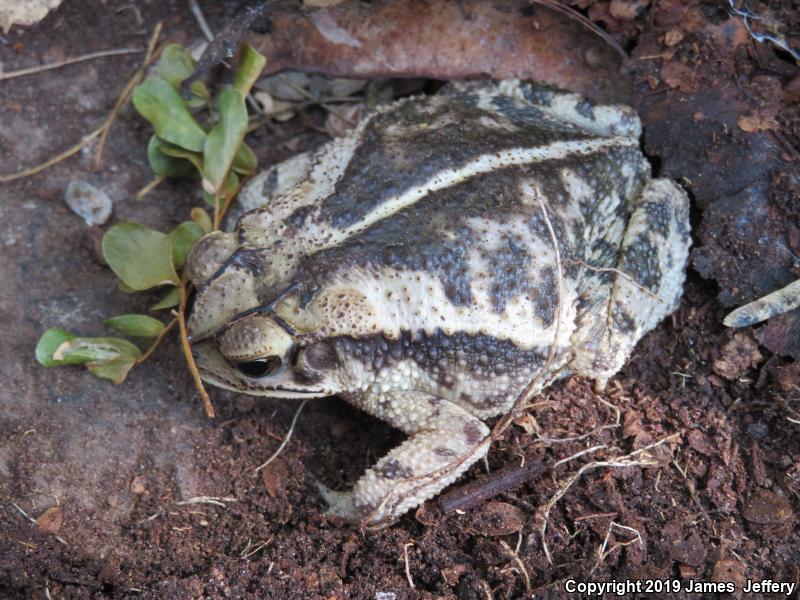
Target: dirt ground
[{"x": 717, "y": 501}]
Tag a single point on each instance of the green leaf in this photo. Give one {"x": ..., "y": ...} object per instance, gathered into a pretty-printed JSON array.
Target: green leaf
[
  {"x": 164, "y": 164},
  {"x": 174, "y": 151},
  {"x": 107, "y": 357},
  {"x": 183, "y": 238},
  {"x": 175, "y": 64},
  {"x": 161, "y": 104},
  {"x": 250, "y": 65},
  {"x": 224, "y": 139},
  {"x": 170, "y": 299},
  {"x": 115, "y": 370},
  {"x": 96, "y": 350},
  {"x": 136, "y": 325},
  {"x": 141, "y": 257},
  {"x": 50, "y": 341},
  {"x": 199, "y": 94},
  {"x": 245, "y": 161},
  {"x": 125, "y": 288},
  {"x": 200, "y": 216}
]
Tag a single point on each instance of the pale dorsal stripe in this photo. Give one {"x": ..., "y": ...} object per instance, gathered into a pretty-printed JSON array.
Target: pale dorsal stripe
[{"x": 485, "y": 163}]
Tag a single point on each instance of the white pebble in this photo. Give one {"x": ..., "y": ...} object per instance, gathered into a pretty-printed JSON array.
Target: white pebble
[{"x": 88, "y": 202}]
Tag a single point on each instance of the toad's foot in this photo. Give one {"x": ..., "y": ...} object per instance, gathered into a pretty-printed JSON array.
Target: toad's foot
[{"x": 444, "y": 441}]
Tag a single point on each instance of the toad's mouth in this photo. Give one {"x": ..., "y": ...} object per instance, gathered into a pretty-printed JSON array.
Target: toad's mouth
[{"x": 273, "y": 391}]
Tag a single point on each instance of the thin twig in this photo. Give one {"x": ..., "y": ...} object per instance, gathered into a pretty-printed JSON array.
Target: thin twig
[
  {"x": 621, "y": 274},
  {"x": 408, "y": 568},
  {"x": 215, "y": 500},
  {"x": 123, "y": 98},
  {"x": 285, "y": 440},
  {"x": 249, "y": 550},
  {"x": 521, "y": 566},
  {"x": 763, "y": 37},
  {"x": 201, "y": 20},
  {"x": 209, "y": 35},
  {"x": 67, "y": 61},
  {"x": 155, "y": 343},
  {"x": 187, "y": 352},
  {"x": 578, "y": 455},
  {"x": 23, "y": 513}
]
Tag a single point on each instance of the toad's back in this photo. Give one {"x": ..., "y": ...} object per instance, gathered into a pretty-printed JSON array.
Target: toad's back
[{"x": 437, "y": 214}]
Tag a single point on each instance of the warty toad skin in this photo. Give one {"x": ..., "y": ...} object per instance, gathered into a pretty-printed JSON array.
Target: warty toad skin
[{"x": 410, "y": 267}]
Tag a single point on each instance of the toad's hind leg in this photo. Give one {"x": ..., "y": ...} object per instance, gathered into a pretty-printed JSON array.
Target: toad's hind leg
[
  {"x": 644, "y": 287},
  {"x": 444, "y": 440}
]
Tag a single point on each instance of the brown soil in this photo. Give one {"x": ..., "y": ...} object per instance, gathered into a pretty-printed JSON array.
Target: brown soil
[{"x": 720, "y": 504}]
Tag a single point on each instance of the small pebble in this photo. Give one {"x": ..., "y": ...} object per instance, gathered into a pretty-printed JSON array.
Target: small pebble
[{"x": 88, "y": 202}]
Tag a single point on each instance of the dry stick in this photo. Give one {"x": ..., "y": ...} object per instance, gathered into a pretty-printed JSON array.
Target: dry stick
[
  {"x": 285, "y": 440},
  {"x": 74, "y": 149},
  {"x": 126, "y": 93},
  {"x": 187, "y": 352},
  {"x": 155, "y": 343},
  {"x": 68, "y": 61},
  {"x": 502, "y": 480}
]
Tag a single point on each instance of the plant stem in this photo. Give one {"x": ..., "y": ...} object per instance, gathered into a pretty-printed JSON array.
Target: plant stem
[
  {"x": 187, "y": 352},
  {"x": 156, "y": 342},
  {"x": 150, "y": 187}
]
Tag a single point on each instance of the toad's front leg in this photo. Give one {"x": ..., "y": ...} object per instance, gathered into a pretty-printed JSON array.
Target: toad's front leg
[{"x": 444, "y": 440}]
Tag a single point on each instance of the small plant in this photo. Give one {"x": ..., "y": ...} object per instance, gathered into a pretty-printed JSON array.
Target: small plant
[{"x": 144, "y": 258}]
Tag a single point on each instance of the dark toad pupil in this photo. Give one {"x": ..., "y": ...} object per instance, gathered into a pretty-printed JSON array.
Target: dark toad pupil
[{"x": 261, "y": 367}]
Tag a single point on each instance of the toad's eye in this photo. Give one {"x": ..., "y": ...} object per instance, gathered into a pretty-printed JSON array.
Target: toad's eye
[{"x": 261, "y": 367}]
